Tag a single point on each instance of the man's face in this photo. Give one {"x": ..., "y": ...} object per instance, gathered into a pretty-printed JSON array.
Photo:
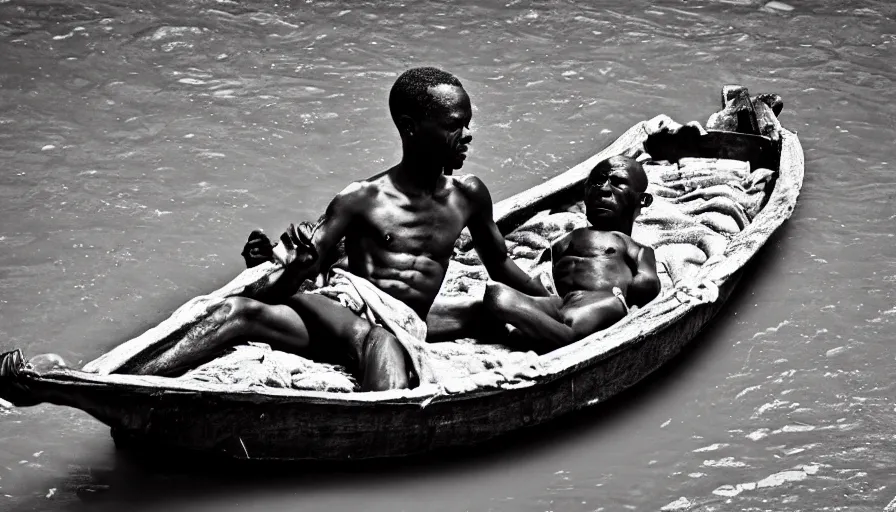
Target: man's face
[
  {"x": 445, "y": 134},
  {"x": 613, "y": 196}
]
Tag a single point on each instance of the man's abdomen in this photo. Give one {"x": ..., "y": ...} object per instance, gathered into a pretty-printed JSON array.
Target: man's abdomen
[
  {"x": 593, "y": 275},
  {"x": 417, "y": 286}
]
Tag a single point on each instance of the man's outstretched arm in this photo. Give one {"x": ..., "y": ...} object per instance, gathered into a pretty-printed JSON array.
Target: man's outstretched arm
[{"x": 489, "y": 242}]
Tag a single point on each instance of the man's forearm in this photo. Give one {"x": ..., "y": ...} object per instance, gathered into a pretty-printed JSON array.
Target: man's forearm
[
  {"x": 281, "y": 286},
  {"x": 512, "y": 275},
  {"x": 296, "y": 270}
]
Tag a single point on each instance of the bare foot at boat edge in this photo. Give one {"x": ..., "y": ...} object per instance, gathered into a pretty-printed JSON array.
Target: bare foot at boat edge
[
  {"x": 43, "y": 363},
  {"x": 14, "y": 389}
]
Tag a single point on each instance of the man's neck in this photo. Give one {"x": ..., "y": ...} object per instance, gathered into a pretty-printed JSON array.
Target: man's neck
[
  {"x": 415, "y": 177},
  {"x": 612, "y": 226}
]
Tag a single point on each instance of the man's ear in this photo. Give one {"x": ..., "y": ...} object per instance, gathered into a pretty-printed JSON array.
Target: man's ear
[
  {"x": 646, "y": 199},
  {"x": 407, "y": 126}
]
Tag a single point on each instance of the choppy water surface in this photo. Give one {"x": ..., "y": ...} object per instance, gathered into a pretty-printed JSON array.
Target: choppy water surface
[{"x": 141, "y": 141}]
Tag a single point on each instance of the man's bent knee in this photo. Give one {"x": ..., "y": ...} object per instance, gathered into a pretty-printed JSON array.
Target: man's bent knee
[
  {"x": 356, "y": 335},
  {"x": 383, "y": 362},
  {"x": 598, "y": 317},
  {"x": 237, "y": 312},
  {"x": 243, "y": 308},
  {"x": 504, "y": 302},
  {"x": 497, "y": 297}
]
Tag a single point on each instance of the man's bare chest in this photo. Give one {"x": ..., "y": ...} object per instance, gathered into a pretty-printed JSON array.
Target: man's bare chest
[
  {"x": 596, "y": 245},
  {"x": 424, "y": 226}
]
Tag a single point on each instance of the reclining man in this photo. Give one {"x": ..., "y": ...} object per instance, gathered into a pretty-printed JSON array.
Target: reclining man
[
  {"x": 399, "y": 229},
  {"x": 598, "y": 271}
]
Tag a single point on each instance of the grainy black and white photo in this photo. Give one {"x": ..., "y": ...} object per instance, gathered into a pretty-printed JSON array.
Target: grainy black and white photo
[{"x": 402, "y": 255}]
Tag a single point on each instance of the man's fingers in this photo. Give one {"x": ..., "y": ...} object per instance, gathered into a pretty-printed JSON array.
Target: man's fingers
[
  {"x": 257, "y": 239},
  {"x": 257, "y": 251},
  {"x": 258, "y": 235},
  {"x": 306, "y": 232},
  {"x": 251, "y": 244}
]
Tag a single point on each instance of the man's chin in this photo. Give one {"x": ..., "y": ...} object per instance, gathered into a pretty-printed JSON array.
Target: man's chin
[
  {"x": 454, "y": 165},
  {"x": 604, "y": 219},
  {"x": 602, "y": 212}
]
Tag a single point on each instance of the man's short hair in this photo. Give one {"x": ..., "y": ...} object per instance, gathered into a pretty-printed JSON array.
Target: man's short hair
[{"x": 410, "y": 95}]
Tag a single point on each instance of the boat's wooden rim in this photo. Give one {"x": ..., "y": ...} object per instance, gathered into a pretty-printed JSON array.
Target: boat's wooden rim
[{"x": 670, "y": 306}]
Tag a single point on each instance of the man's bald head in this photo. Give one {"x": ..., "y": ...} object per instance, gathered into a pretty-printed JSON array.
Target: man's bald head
[
  {"x": 627, "y": 164},
  {"x": 615, "y": 191}
]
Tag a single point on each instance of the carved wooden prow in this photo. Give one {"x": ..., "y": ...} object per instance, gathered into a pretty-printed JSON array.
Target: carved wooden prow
[
  {"x": 752, "y": 116},
  {"x": 736, "y": 98},
  {"x": 737, "y": 114}
]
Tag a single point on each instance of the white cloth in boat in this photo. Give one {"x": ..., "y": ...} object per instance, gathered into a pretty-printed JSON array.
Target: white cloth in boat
[{"x": 379, "y": 308}]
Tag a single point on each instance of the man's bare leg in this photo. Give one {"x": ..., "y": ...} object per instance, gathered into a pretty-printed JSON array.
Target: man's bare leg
[
  {"x": 237, "y": 319},
  {"x": 380, "y": 359},
  {"x": 537, "y": 318},
  {"x": 383, "y": 362},
  {"x": 451, "y": 318},
  {"x": 593, "y": 312}
]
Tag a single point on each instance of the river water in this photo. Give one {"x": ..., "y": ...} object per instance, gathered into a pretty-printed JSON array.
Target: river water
[{"x": 142, "y": 141}]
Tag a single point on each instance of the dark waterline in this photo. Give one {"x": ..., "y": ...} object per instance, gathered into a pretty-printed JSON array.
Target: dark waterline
[{"x": 141, "y": 142}]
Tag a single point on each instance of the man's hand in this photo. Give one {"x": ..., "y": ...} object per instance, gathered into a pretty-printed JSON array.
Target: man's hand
[
  {"x": 299, "y": 246},
  {"x": 535, "y": 288},
  {"x": 258, "y": 249}
]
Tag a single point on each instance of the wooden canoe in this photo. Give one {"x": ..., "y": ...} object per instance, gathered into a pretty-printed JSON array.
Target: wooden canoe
[{"x": 283, "y": 424}]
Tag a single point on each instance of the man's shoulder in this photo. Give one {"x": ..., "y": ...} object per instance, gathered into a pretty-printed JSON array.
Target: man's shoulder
[
  {"x": 362, "y": 187},
  {"x": 470, "y": 181},
  {"x": 472, "y": 187},
  {"x": 631, "y": 242},
  {"x": 358, "y": 193}
]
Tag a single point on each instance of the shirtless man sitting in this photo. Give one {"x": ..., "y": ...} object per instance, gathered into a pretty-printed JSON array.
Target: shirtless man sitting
[
  {"x": 599, "y": 271},
  {"x": 399, "y": 229}
]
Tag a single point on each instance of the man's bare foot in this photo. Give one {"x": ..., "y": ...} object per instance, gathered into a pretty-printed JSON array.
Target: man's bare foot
[
  {"x": 12, "y": 385},
  {"x": 43, "y": 363}
]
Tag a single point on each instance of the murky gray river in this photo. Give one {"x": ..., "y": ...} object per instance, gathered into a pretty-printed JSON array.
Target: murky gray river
[{"x": 141, "y": 141}]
